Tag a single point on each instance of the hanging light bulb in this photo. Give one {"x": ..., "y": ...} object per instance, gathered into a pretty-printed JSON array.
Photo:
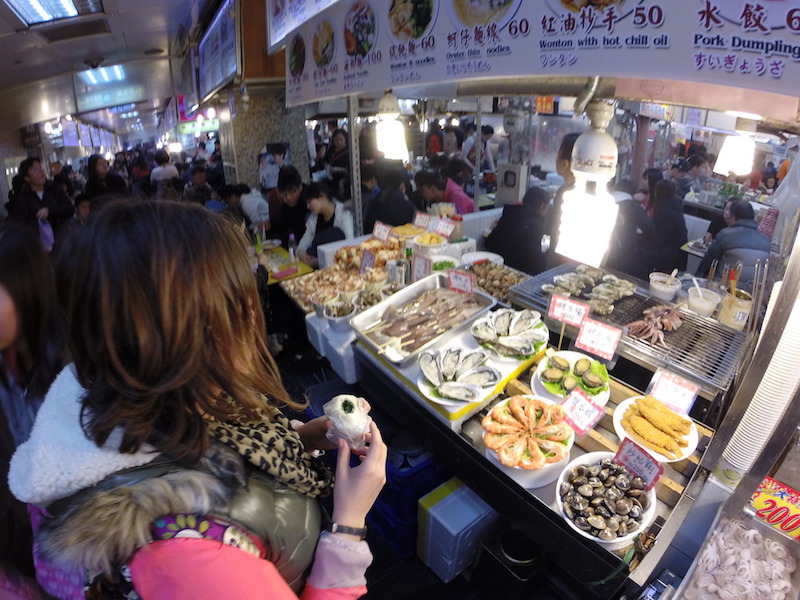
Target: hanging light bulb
[
  {"x": 390, "y": 133},
  {"x": 589, "y": 212}
]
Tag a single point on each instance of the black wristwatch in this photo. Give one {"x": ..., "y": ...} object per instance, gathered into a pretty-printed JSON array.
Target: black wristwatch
[{"x": 361, "y": 532}]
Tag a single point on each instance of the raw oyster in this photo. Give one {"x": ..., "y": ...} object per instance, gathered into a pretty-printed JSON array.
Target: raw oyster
[
  {"x": 449, "y": 362},
  {"x": 465, "y": 392},
  {"x": 601, "y": 306},
  {"x": 484, "y": 331},
  {"x": 470, "y": 360},
  {"x": 514, "y": 345},
  {"x": 482, "y": 376},
  {"x": 538, "y": 334},
  {"x": 549, "y": 288},
  {"x": 501, "y": 319},
  {"x": 429, "y": 365},
  {"x": 524, "y": 320}
]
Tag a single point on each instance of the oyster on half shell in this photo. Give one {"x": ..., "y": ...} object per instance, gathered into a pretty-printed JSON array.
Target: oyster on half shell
[{"x": 465, "y": 392}]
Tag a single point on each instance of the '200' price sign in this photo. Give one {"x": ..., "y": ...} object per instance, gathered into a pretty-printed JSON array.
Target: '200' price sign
[
  {"x": 567, "y": 310},
  {"x": 778, "y": 505},
  {"x": 639, "y": 462}
]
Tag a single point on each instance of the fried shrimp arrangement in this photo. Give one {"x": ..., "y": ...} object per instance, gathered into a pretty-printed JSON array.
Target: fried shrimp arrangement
[
  {"x": 651, "y": 424},
  {"x": 527, "y": 432}
]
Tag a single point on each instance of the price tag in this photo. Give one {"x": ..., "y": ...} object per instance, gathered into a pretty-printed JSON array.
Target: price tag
[
  {"x": 420, "y": 267},
  {"x": 582, "y": 413},
  {"x": 421, "y": 219},
  {"x": 567, "y": 310},
  {"x": 461, "y": 281},
  {"x": 674, "y": 391},
  {"x": 778, "y": 505},
  {"x": 381, "y": 231},
  {"x": 639, "y": 462},
  {"x": 367, "y": 261},
  {"x": 601, "y": 339},
  {"x": 445, "y": 227}
]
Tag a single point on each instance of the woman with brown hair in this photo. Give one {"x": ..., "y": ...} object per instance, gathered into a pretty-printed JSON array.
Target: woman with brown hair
[{"x": 161, "y": 453}]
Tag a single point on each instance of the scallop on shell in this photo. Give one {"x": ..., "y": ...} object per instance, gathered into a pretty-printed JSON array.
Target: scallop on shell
[
  {"x": 465, "y": 392},
  {"x": 482, "y": 376},
  {"x": 429, "y": 365}
]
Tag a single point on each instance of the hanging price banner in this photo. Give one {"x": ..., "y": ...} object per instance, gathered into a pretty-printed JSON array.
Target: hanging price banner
[
  {"x": 420, "y": 267},
  {"x": 461, "y": 281},
  {"x": 381, "y": 231},
  {"x": 778, "y": 505},
  {"x": 445, "y": 227},
  {"x": 582, "y": 413},
  {"x": 421, "y": 219},
  {"x": 674, "y": 391},
  {"x": 567, "y": 310},
  {"x": 367, "y": 261},
  {"x": 639, "y": 462},
  {"x": 601, "y": 339}
]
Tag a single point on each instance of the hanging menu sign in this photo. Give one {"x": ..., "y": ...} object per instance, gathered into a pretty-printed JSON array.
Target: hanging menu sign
[
  {"x": 283, "y": 16},
  {"x": 378, "y": 44}
]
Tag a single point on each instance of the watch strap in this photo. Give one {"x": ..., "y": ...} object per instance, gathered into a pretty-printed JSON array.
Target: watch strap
[{"x": 357, "y": 531}]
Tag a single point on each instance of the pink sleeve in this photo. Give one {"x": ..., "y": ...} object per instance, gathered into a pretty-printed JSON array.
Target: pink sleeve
[{"x": 190, "y": 568}]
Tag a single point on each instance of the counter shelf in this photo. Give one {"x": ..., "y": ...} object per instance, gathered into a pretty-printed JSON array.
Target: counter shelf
[
  {"x": 534, "y": 510},
  {"x": 702, "y": 349}
]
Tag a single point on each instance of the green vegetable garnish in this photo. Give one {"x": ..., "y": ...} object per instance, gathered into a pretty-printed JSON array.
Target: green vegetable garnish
[
  {"x": 348, "y": 406},
  {"x": 443, "y": 264}
]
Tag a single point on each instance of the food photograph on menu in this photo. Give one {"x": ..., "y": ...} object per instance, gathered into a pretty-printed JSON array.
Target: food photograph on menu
[
  {"x": 324, "y": 44},
  {"x": 411, "y": 19},
  {"x": 360, "y": 29}
]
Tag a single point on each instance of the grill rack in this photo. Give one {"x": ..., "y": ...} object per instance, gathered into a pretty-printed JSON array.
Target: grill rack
[{"x": 701, "y": 349}]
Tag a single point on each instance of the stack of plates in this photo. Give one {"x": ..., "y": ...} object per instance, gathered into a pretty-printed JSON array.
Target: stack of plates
[{"x": 767, "y": 406}]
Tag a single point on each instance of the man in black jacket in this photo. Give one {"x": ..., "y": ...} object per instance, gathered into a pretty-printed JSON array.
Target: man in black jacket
[{"x": 37, "y": 200}]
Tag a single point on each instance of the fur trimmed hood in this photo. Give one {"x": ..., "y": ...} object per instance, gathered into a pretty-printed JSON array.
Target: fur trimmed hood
[
  {"x": 58, "y": 459},
  {"x": 108, "y": 527}
]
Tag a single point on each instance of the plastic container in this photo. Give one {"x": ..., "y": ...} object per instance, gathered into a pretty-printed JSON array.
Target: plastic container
[
  {"x": 453, "y": 521},
  {"x": 661, "y": 289},
  {"x": 735, "y": 310},
  {"x": 339, "y": 324},
  {"x": 409, "y": 481},
  {"x": 399, "y": 535},
  {"x": 703, "y": 302},
  {"x": 320, "y": 298},
  {"x": 428, "y": 249}
]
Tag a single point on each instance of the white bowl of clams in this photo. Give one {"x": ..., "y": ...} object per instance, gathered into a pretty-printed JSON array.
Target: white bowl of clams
[
  {"x": 527, "y": 438},
  {"x": 603, "y": 502}
]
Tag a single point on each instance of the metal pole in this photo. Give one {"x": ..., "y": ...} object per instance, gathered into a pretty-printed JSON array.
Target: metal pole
[
  {"x": 355, "y": 164},
  {"x": 476, "y": 173}
]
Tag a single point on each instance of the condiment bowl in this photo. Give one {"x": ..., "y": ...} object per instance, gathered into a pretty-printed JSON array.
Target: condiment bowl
[{"x": 661, "y": 289}]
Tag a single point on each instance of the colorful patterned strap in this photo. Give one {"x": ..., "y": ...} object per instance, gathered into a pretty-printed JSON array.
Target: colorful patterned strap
[{"x": 210, "y": 528}]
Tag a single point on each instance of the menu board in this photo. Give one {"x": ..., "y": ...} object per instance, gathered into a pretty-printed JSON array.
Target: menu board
[
  {"x": 218, "y": 53},
  {"x": 69, "y": 131},
  {"x": 86, "y": 136},
  {"x": 284, "y": 16},
  {"x": 347, "y": 47}
]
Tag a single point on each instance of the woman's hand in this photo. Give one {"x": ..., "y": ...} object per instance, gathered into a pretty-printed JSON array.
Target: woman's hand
[
  {"x": 312, "y": 434},
  {"x": 356, "y": 488}
]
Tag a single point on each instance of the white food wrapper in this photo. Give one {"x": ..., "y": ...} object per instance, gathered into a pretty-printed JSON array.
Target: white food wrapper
[{"x": 350, "y": 419}]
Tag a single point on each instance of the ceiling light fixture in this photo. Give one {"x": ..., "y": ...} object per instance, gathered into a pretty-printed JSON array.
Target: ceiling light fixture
[{"x": 32, "y": 12}]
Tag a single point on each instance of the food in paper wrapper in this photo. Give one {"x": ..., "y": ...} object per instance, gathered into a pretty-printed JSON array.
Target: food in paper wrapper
[
  {"x": 350, "y": 419},
  {"x": 527, "y": 432},
  {"x": 741, "y": 563}
]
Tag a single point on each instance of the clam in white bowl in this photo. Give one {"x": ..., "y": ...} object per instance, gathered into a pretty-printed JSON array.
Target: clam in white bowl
[{"x": 646, "y": 517}]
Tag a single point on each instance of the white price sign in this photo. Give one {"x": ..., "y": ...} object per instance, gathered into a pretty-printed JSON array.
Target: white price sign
[
  {"x": 639, "y": 462},
  {"x": 598, "y": 338},
  {"x": 581, "y": 412},
  {"x": 445, "y": 227},
  {"x": 420, "y": 267},
  {"x": 421, "y": 219},
  {"x": 381, "y": 231},
  {"x": 367, "y": 261},
  {"x": 567, "y": 310},
  {"x": 674, "y": 391},
  {"x": 461, "y": 281}
]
